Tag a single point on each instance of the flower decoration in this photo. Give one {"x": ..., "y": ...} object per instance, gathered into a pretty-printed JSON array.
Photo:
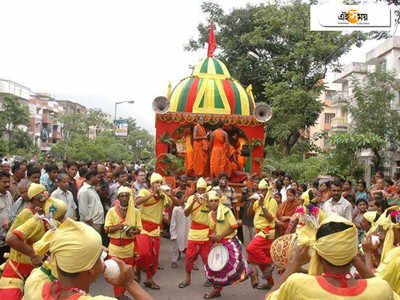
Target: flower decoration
[
  {"x": 300, "y": 210},
  {"x": 314, "y": 211}
]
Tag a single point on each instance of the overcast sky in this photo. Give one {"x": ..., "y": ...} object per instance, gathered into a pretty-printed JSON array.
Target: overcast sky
[{"x": 97, "y": 52}]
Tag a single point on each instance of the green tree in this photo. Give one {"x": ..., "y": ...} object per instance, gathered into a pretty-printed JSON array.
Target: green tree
[
  {"x": 346, "y": 147},
  {"x": 13, "y": 115},
  {"x": 372, "y": 112},
  {"x": 271, "y": 47}
]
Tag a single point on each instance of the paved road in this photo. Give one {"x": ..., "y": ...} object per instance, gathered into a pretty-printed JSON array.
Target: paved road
[{"x": 169, "y": 278}]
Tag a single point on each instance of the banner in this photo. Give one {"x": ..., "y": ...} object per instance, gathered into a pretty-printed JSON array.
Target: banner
[{"x": 121, "y": 128}]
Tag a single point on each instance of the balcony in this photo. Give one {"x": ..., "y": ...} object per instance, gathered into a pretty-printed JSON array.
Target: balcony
[
  {"x": 340, "y": 99},
  {"x": 339, "y": 124},
  {"x": 46, "y": 119}
]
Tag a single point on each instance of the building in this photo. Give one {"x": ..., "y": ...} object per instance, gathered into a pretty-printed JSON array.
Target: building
[
  {"x": 324, "y": 122},
  {"x": 45, "y": 129},
  {"x": 385, "y": 57},
  {"x": 71, "y": 107}
]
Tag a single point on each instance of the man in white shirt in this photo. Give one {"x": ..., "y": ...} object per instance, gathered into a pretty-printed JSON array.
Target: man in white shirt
[
  {"x": 286, "y": 186},
  {"x": 6, "y": 202},
  {"x": 62, "y": 193},
  {"x": 90, "y": 208},
  {"x": 337, "y": 205}
]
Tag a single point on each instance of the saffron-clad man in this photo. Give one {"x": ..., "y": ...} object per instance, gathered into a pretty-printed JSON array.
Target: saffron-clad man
[
  {"x": 151, "y": 204},
  {"x": 258, "y": 251},
  {"x": 122, "y": 224},
  {"x": 198, "y": 239}
]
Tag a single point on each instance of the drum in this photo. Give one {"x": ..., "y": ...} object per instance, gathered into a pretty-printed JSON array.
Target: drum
[
  {"x": 218, "y": 258},
  {"x": 281, "y": 249}
]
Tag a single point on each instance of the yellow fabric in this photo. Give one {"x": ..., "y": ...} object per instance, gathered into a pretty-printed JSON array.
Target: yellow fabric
[
  {"x": 132, "y": 214},
  {"x": 21, "y": 218},
  {"x": 389, "y": 269},
  {"x": 338, "y": 248},
  {"x": 42, "y": 246},
  {"x": 199, "y": 215},
  {"x": 155, "y": 177},
  {"x": 35, "y": 189},
  {"x": 75, "y": 248},
  {"x": 262, "y": 185},
  {"x": 260, "y": 221},
  {"x": 58, "y": 207},
  {"x": 388, "y": 244},
  {"x": 152, "y": 210},
  {"x": 112, "y": 219},
  {"x": 201, "y": 183},
  {"x": 229, "y": 221},
  {"x": 11, "y": 283},
  {"x": 34, "y": 285},
  {"x": 32, "y": 231},
  {"x": 306, "y": 197},
  {"x": 370, "y": 216},
  {"x": 306, "y": 287}
]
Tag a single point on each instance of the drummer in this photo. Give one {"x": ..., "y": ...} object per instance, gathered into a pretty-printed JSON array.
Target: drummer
[{"x": 224, "y": 226}]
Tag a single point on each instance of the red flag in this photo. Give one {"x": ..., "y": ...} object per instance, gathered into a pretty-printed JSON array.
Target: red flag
[{"x": 212, "y": 42}]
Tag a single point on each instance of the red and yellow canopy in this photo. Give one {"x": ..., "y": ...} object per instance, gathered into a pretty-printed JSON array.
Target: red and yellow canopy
[{"x": 211, "y": 90}]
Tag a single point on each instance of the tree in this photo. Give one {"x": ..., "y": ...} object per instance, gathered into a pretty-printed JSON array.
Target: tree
[
  {"x": 348, "y": 145},
  {"x": 372, "y": 112},
  {"x": 271, "y": 47},
  {"x": 13, "y": 115}
]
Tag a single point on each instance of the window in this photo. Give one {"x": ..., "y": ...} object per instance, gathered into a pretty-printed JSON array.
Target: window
[
  {"x": 329, "y": 117},
  {"x": 381, "y": 66}
]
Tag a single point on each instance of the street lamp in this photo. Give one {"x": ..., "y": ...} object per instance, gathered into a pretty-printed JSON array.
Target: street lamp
[{"x": 116, "y": 103}]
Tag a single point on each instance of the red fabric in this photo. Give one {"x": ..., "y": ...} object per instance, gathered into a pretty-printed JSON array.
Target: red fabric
[
  {"x": 24, "y": 269},
  {"x": 212, "y": 42},
  {"x": 344, "y": 292},
  {"x": 230, "y": 95},
  {"x": 192, "y": 95},
  {"x": 149, "y": 226},
  {"x": 148, "y": 249},
  {"x": 120, "y": 242},
  {"x": 46, "y": 293},
  {"x": 193, "y": 250},
  {"x": 11, "y": 294},
  {"x": 198, "y": 226},
  {"x": 119, "y": 291},
  {"x": 19, "y": 234},
  {"x": 258, "y": 251}
]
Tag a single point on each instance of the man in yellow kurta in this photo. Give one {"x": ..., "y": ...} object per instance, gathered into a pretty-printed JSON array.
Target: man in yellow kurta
[
  {"x": 335, "y": 249},
  {"x": 198, "y": 239},
  {"x": 76, "y": 256},
  {"x": 151, "y": 205},
  {"x": 122, "y": 224},
  {"x": 23, "y": 258},
  {"x": 258, "y": 250}
]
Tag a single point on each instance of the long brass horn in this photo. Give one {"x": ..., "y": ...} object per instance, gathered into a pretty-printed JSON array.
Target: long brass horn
[
  {"x": 161, "y": 105},
  {"x": 262, "y": 112}
]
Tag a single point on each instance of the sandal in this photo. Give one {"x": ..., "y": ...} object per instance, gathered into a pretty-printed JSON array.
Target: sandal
[
  {"x": 213, "y": 294},
  {"x": 183, "y": 284},
  {"x": 151, "y": 285}
]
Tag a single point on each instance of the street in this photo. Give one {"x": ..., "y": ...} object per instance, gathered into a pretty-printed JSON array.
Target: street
[{"x": 169, "y": 279}]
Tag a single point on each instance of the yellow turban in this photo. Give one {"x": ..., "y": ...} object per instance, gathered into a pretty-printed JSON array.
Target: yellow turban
[
  {"x": 389, "y": 226},
  {"x": 201, "y": 183},
  {"x": 155, "y": 177},
  {"x": 305, "y": 197},
  {"x": 130, "y": 214},
  {"x": 35, "y": 189},
  {"x": 262, "y": 185},
  {"x": 370, "y": 216},
  {"x": 56, "y": 207},
  {"x": 222, "y": 210},
  {"x": 75, "y": 247},
  {"x": 338, "y": 248}
]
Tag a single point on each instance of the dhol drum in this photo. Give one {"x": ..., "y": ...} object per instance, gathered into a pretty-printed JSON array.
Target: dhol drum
[
  {"x": 281, "y": 249},
  {"x": 218, "y": 258}
]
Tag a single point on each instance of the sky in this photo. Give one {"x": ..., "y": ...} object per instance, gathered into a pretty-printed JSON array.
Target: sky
[{"x": 98, "y": 52}]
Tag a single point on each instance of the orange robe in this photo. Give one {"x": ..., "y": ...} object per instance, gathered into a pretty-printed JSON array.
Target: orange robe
[
  {"x": 241, "y": 159},
  {"x": 219, "y": 162},
  {"x": 189, "y": 153},
  {"x": 200, "y": 152},
  {"x": 285, "y": 209}
]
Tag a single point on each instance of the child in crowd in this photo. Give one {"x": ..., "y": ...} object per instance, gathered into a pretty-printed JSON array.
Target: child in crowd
[{"x": 179, "y": 229}]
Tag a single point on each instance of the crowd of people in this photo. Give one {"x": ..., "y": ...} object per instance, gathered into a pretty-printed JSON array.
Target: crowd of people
[{"x": 58, "y": 223}]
